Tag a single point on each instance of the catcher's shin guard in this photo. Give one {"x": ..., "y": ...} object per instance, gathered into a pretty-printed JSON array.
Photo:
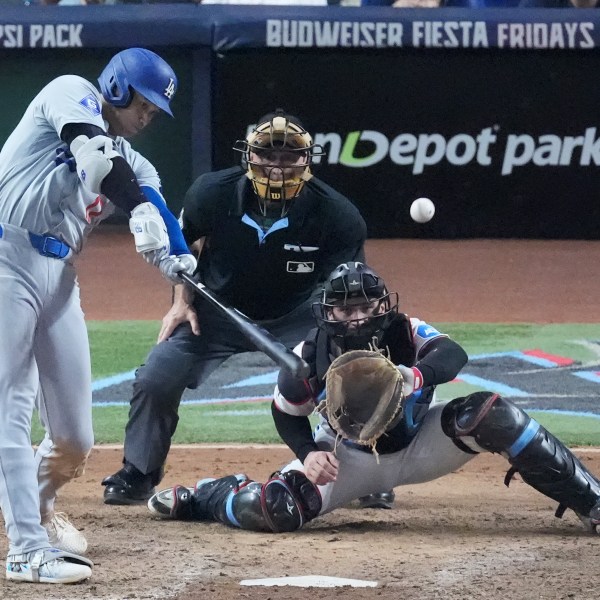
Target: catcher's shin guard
[
  {"x": 284, "y": 503},
  {"x": 204, "y": 502},
  {"x": 211, "y": 496},
  {"x": 486, "y": 421}
]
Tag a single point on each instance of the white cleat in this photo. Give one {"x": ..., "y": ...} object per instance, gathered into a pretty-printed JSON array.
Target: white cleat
[
  {"x": 48, "y": 566},
  {"x": 64, "y": 535},
  {"x": 591, "y": 522}
]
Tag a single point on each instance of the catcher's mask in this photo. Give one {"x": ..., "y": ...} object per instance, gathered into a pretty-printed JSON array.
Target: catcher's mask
[
  {"x": 277, "y": 155},
  {"x": 355, "y": 306}
]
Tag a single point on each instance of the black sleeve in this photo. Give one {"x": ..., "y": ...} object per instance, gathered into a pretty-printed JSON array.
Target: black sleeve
[
  {"x": 296, "y": 432},
  {"x": 120, "y": 186},
  {"x": 441, "y": 360},
  {"x": 71, "y": 130}
]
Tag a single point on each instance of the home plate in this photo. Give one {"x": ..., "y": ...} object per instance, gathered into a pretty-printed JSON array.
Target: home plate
[{"x": 310, "y": 581}]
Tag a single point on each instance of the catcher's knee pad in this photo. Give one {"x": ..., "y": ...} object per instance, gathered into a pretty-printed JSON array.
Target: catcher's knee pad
[
  {"x": 284, "y": 503},
  {"x": 289, "y": 500},
  {"x": 487, "y": 422}
]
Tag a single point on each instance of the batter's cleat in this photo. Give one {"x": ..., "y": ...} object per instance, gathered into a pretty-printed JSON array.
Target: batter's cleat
[
  {"x": 129, "y": 486},
  {"x": 592, "y": 521},
  {"x": 48, "y": 566},
  {"x": 379, "y": 500},
  {"x": 64, "y": 536},
  {"x": 172, "y": 503}
]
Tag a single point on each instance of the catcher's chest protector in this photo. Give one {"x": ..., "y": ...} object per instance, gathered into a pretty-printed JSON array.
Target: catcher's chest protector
[{"x": 398, "y": 338}]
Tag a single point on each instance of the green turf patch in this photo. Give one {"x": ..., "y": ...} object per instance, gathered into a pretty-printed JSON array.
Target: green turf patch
[{"x": 120, "y": 346}]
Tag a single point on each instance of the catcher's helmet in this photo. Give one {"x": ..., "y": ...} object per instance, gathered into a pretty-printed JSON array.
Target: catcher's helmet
[
  {"x": 277, "y": 155},
  {"x": 140, "y": 70},
  {"x": 355, "y": 306}
]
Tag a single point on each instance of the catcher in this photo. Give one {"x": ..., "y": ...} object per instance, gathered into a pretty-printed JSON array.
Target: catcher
[{"x": 379, "y": 428}]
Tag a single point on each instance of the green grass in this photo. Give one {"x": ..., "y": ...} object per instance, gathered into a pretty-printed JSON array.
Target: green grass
[
  {"x": 120, "y": 346},
  {"x": 562, "y": 339}
]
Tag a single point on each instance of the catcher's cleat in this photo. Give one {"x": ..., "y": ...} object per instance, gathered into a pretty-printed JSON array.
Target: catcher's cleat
[
  {"x": 379, "y": 500},
  {"x": 172, "y": 503},
  {"x": 129, "y": 486},
  {"x": 592, "y": 521}
]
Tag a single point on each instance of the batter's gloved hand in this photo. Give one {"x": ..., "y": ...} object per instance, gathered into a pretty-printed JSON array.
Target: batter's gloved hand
[
  {"x": 171, "y": 266},
  {"x": 364, "y": 396},
  {"x": 413, "y": 380}
]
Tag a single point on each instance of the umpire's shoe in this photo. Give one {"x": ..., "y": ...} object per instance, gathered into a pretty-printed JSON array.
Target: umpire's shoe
[
  {"x": 130, "y": 485},
  {"x": 379, "y": 500}
]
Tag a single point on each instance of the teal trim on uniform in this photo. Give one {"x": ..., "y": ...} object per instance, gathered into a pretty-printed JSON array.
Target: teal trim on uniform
[
  {"x": 523, "y": 440},
  {"x": 229, "y": 510},
  {"x": 409, "y": 405}
]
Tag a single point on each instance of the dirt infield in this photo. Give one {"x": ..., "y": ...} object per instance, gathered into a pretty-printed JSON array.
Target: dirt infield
[
  {"x": 442, "y": 281},
  {"x": 462, "y": 537}
]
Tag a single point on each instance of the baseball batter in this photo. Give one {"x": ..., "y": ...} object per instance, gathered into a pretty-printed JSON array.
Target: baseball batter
[
  {"x": 62, "y": 171},
  {"x": 421, "y": 442}
]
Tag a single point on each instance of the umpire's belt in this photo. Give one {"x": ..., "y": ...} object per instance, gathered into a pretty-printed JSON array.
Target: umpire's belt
[{"x": 46, "y": 245}]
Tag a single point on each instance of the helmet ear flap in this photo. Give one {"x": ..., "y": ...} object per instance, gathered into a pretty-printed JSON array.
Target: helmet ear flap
[
  {"x": 138, "y": 70},
  {"x": 121, "y": 97}
]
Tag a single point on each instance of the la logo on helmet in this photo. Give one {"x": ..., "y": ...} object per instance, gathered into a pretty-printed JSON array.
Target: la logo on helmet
[{"x": 170, "y": 89}]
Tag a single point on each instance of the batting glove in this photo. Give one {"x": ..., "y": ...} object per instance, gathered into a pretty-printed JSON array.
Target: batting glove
[
  {"x": 153, "y": 257},
  {"x": 170, "y": 266},
  {"x": 413, "y": 380}
]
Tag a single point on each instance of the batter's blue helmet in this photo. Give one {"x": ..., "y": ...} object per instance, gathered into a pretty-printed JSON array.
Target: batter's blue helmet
[{"x": 142, "y": 70}]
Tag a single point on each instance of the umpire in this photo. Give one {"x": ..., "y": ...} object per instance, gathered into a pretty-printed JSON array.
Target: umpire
[{"x": 267, "y": 235}]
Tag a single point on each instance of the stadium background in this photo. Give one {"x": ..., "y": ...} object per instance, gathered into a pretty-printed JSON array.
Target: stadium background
[{"x": 440, "y": 534}]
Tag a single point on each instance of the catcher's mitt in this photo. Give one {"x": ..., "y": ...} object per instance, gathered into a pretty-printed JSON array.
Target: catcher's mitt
[{"x": 363, "y": 396}]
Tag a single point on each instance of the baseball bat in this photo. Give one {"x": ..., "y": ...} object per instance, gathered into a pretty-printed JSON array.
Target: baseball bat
[{"x": 263, "y": 340}]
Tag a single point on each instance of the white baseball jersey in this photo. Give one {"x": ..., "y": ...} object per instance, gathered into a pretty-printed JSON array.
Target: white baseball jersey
[
  {"x": 44, "y": 357},
  {"x": 42, "y": 196}
]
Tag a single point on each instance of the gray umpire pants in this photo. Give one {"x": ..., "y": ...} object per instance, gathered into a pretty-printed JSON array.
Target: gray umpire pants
[{"x": 184, "y": 361}]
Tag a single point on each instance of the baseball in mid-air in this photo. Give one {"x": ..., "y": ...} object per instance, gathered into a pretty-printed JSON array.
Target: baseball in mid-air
[{"x": 422, "y": 210}]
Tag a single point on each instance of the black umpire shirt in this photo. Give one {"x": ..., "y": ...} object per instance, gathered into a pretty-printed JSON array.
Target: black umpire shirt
[{"x": 267, "y": 275}]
